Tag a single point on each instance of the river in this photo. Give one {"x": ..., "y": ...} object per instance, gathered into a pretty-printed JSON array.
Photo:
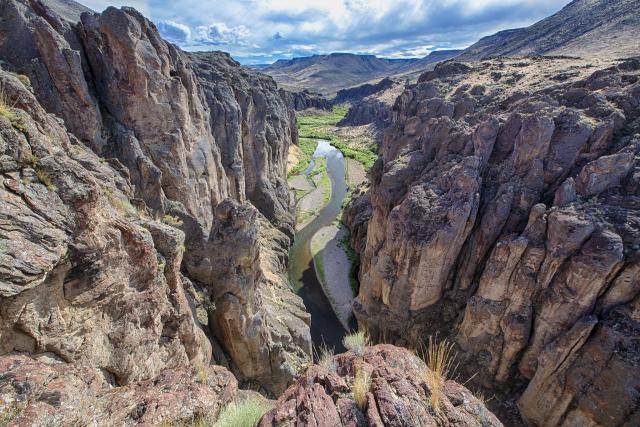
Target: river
[{"x": 325, "y": 326}]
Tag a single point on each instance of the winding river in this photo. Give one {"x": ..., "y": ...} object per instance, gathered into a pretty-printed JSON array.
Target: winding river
[{"x": 325, "y": 326}]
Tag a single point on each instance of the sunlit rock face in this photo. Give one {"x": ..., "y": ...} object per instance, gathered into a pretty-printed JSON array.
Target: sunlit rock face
[
  {"x": 182, "y": 135},
  {"x": 505, "y": 214}
]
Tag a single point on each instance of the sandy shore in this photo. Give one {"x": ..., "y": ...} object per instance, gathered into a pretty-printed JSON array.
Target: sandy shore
[{"x": 332, "y": 267}]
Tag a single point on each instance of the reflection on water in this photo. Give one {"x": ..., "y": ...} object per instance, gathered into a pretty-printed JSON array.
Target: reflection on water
[{"x": 325, "y": 326}]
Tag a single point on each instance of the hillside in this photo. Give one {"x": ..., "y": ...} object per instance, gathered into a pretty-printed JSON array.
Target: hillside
[
  {"x": 585, "y": 28},
  {"x": 328, "y": 74}
]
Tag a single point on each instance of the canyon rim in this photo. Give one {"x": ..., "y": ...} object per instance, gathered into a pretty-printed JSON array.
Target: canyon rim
[{"x": 477, "y": 214}]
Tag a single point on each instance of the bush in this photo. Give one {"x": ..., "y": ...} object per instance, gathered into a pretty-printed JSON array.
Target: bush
[
  {"x": 356, "y": 342},
  {"x": 45, "y": 179},
  {"x": 245, "y": 413},
  {"x": 7, "y": 111},
  {"x": 171, "y": 220}
]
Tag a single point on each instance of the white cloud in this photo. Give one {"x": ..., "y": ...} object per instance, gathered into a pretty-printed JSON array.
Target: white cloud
[
  {"x": 100, "y": 5},
  {"x": 219, "y": 34},
  {"x": 174, "y": 31},
  {"x": 281, "y": 28}
]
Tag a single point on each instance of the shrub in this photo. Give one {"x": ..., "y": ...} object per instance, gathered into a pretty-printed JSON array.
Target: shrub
[
  {"x": 24, "y": 80},
  {"x": 7, "y": 111},
  {"x": 440, "y": 359},
  {"x": 45, "y": 179},
  {"x": 361, "y": 385},
  {"x": 174, "y": 221},
  {"x": 356, "y": 342},
  {"x": 245, "y": 413}
]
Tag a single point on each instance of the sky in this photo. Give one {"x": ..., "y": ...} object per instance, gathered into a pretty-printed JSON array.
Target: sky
[{"x": 262, "y": 31}]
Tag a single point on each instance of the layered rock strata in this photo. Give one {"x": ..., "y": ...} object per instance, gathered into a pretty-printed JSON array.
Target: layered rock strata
[
  {"x": 182, "y": 133},
  {"x": 506, "y": 215}
]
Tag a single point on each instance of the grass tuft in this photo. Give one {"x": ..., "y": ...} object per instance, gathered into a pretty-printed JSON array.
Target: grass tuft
[
  {"x": 325, "y": 358},
  {"x": 361, "y": 386},
  {"x": 245, "y": 413},
  {"x": 440, "y": 359},
  {"x": 8, "y": 112},
  {"x": 46, "y": 180},
  {"x": 356, "y": 342},
  {"x": 171, "y": 220}
]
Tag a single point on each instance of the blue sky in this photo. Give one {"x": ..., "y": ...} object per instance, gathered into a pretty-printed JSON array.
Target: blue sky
[{"x": 262, "y": 31}]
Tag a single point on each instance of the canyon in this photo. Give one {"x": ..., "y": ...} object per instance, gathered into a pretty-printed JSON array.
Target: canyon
[{"x": 152, "y": 235}]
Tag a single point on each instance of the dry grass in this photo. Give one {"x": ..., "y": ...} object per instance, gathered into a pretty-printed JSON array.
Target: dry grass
[
  {"x": 440, "y": 359},
  {"x": 356, "y": 342},
  {"x": 171, "y": 220},
  {"x": 7, "y": 111},
  {"x": 245, "y": 413},
  {"x": 361, "y": 386},
  {"x": 46, "y": 180},
  {"x": 325, "y": 358}
]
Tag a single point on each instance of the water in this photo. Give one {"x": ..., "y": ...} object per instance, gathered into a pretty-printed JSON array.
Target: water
[{"x": 325, "y": 326}]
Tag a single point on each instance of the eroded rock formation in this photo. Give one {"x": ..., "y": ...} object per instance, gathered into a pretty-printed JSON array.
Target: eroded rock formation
[
  {"x": 398, "y": 395},
  {"x": 506, "y": 215},
  {"x": 100, "y": 280}
]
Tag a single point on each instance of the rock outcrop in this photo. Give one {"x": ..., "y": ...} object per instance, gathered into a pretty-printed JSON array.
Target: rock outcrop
[
  {"x": 507, "y": 216},
  {"x": 399, "y": 394},
  {"x": 304, "y": 99},
  {"x": 357, "y": 93},
  {"x": 371, "y": 104},
  {"x": 45, "y": 392},
  {"x": 182, "y": 135}
]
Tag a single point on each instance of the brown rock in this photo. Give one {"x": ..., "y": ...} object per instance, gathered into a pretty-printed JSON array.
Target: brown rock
[{"x": 398, "y": 395}]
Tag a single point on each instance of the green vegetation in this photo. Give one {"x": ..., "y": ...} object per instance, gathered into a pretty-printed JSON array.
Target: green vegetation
[
  {"x": 171, "y": 220},
  {"x": 318, "y": 125},
  {"x": 46, "y": 180},
  {"x": 307, "y": 146},
  {"x": 246, "y": 413},
  {"x": 354, "y": 261},
  {"x": 9, "y": 113}
]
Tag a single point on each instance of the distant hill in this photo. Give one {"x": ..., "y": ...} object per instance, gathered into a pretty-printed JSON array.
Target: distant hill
[
  {"x": 328, "y": 74},
  {"x": 586, "y": 28}
]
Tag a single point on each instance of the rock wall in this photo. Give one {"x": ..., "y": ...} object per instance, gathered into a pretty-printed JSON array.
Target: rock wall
[
  {"x": 183, "y": 134},
  {"x": 303, "y": 100},
  {"x": 506, "y": 215}
]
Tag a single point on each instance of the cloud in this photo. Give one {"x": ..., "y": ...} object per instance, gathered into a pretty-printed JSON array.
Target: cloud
[
  {"x": 100, "y": 5},
  {"x": 219, "y": 34},
  {"x": 174, "y": 32},
  {"x": 266, "y": 30}
]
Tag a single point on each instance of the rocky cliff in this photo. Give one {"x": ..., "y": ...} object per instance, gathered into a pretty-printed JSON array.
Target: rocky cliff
[
  {"x": 155, "y": 161},
  {"x": 303, "y": 100},
  {"x": 505, "y": 214},
  {"x": 398, "y": 394}
]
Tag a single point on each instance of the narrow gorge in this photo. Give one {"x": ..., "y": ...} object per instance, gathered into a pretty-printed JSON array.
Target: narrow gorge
[{"x": 334, "y": 240}]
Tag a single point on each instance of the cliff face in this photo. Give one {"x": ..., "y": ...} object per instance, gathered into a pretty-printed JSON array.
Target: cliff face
[
  {"x": 506, "y": 215},
  {"x": 184, "y": 135}
]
